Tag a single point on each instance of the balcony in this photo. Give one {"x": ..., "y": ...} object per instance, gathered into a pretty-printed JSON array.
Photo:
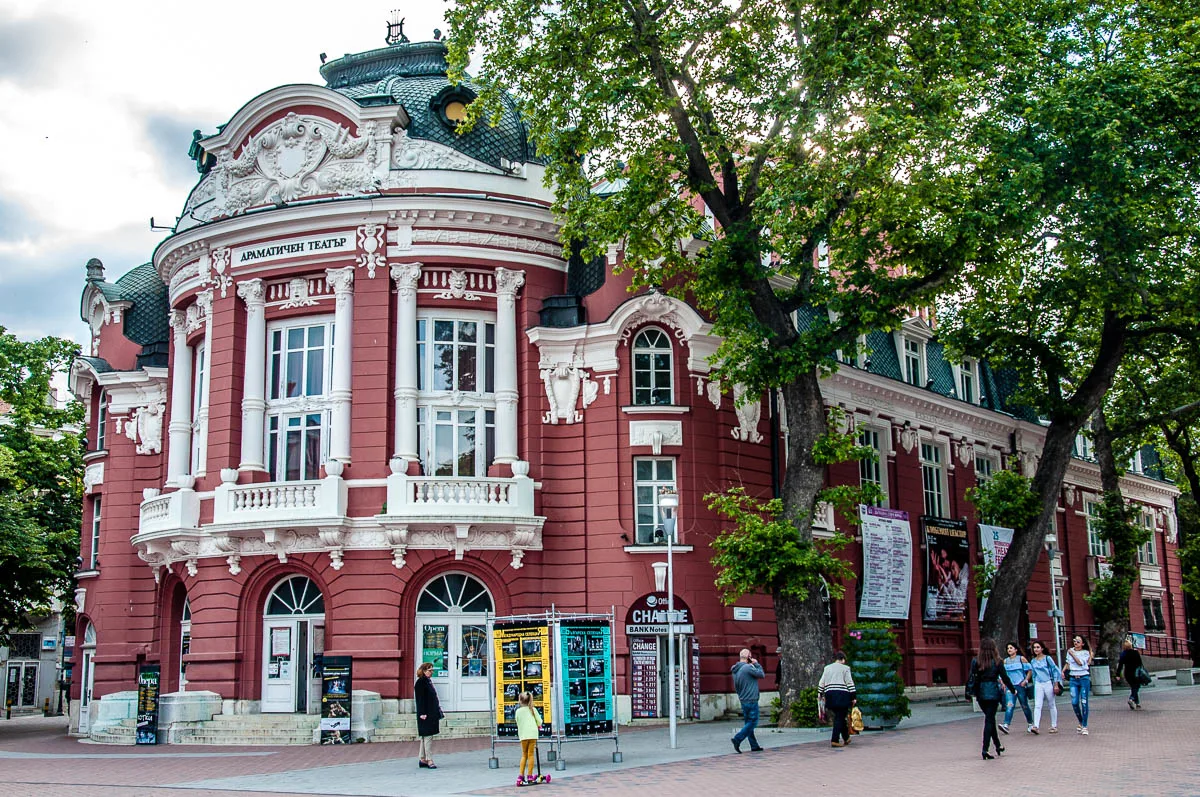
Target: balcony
[
  {"x": 179, "y": 510},
  {"x": 314, "y": 502}
]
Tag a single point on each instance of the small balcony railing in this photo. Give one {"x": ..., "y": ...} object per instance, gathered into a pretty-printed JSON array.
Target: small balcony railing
[
  {"x": 444, "y": 497},
  {"x": 289, "y": 502},
  {"x": 178, "y": 510}
]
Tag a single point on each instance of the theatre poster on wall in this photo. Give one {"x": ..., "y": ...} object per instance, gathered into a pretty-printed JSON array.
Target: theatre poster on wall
[
  {"x": 586, "y": 661},
  {"x": 336, "y": 688},
  {"x": 522, "y": 654},
  {"x": 947, "y": 569},
  {"x": 994, "y": 541},
  {"x": 147, "y": 704},
  {"x": 887, "y": 563}
]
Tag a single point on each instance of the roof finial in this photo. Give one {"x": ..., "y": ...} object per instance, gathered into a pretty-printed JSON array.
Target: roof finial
[
  {"x": 95, "y": 270},
  {"x": 395, "y": 34}
]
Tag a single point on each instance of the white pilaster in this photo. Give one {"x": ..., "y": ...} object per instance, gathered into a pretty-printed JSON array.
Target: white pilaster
[
  {"x": 254, "y": 383},
  {"x": 507, "y": 284},
  {"x": 405, "y": 275},
  {"x": 342, "y": 282},
  {"x": 204, "y": 299},
  {"x": 179, "y": 454}
]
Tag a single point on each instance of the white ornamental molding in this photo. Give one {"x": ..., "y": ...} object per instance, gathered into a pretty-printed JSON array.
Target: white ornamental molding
[
  {"x": 406, "y": 276},
  {"x": 564, "y": 382},
  {"x": 93, "y": 475},
  {"x": 748, "y": 412},
  {"x": 370, "y": 238},
  {"x": 1029, "y": 462},
  {"x": 80, "y": 599},
  {"x": 144, "y": 427},
  {"x": 341, "y": 281},
  {"x": 1069, "y": 495},
  {"x": 222, "y": 278},
  {"x": 295, "y": 157},
  {"x": 654, "y": 308},
  {"x": 418, "y": 153},
  {"x": 298, "y": 295},
  {"x": 484, "y": 239},
  {"x": 1172, "y": 535},
  {"x": 656, "y": 434},
  {"x": 965, "y": 450},
  {"x": 708, "y": 387},
  {"x": 456, "y": 286}
]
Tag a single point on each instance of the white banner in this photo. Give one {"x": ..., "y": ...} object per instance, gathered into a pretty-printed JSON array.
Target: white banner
[
  {"x": 887, "y": 563},
  {"x": 328, "y": 243},
  {"x": 994, "y": 542}
]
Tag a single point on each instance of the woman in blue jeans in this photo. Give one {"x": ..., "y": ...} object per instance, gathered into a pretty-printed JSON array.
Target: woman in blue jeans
[
  {"x": 1078, "y": 668},
  {"x": 1021, "y": 675}
]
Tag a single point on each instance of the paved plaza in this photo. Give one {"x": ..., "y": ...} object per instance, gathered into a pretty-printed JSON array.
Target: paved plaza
[{"x": 1151, "y": 752}]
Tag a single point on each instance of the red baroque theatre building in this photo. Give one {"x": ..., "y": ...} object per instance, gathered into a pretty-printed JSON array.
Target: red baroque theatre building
[{"x": 358, "y": 400}]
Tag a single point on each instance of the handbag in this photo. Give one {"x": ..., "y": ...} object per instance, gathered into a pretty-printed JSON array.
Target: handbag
[
  {"x": 1057, "y": 688},
  {"x": 1142, "y": 676},
  {"x": 1029, "y": 691}
]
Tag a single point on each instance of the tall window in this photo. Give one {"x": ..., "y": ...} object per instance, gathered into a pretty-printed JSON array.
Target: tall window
[
  {"x": 1083, "y": 443},
  {"x": 456, "y": 411},
  {"x": 652, "y": 371},
  {"x": 966, "y": 381},
  {"x": 1135, "y": 462},
  {"x": 873, "y": 471},
  {"x": 95, "y": 553},
  {"x": 1096, "y": 545},
  {"x": 298, "y": 400},
  {"x": 1152, "y": 614},
  {"x": 912, "y": 362},
  {"x": 199, "y": 401},
  {"x": 932, "y": 479},
  {"x": 651, "y": 476},
  {"x": 102, "y": 421},
  {"x": 985, "y": 466},
  {"x": 1148, "y": 553}
]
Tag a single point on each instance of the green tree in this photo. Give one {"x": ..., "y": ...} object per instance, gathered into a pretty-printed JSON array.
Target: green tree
[
  {"x": 41, "y": 478},
  {"x": 1108, "y": 120},
  {"x": 799, "y": 126}
]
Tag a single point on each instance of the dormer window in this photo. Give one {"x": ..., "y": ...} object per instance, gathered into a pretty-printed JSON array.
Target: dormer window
[
  {"x": 652, "y": 369},
  {"x": 101, "y": 421},
  {"x": 914, "y": 361},
  {"x": 450, "y": 106},
  {"x": 966, "y": 382}
]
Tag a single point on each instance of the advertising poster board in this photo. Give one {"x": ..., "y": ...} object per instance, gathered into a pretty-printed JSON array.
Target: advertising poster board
[
  {"x": 947, "y": 569},
  {"x": 336, "y": 688},
  {"x": 643, "y": 666},
  {"x": 695, "y": 679},
  {"x": 434, "y": 649},
  {"x": 887, "y": 563},
  {"x": 147, "y": 706},
  {"x": 522, "y": 655},
  {"x": 586, "y": 660},
  {"x": 994, "y": 542}
]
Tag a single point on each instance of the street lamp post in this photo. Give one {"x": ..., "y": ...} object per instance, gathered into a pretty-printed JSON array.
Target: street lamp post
[
  {"x": 668, "y": 504},
  {"x": 1055, "y": 611}
]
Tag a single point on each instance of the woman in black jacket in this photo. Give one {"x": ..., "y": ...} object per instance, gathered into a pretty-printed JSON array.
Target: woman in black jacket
[
  {"x": 1129, "y": 663},
  {"x": 429, "y": 712},
  {"x": 987, "y": 673}
]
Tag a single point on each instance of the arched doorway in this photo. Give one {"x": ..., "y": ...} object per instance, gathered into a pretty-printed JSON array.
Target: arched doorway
[
  {"x": 293, "y": 638},
  {"x": 452, "y": 634},
  {"x": 86, "y": 677}
]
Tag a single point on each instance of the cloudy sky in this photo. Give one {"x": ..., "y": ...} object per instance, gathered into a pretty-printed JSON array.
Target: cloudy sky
[{"x": 98, "y": 101}]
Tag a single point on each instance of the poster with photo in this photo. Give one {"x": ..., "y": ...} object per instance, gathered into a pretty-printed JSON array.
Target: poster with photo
[
  {"x": 336, "y": 688},
  {"x": 147, "y": 704},
  {"x": 887, "y": 563},
  {"x": 585, "y": 660},
  {"x": 947, "y": 569},
  {"x": 994, "y": 541},
  {"x": 523, "y": 653},
  {"x": 434, "y": 647}
]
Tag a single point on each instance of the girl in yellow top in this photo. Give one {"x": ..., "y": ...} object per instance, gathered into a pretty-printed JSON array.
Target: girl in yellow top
[{"x": 529, "y": 721}]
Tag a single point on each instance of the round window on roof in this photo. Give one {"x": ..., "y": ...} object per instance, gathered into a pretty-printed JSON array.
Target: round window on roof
[
  {"x": 455, "y": 111},
  {"x": 450, "y": 106}
]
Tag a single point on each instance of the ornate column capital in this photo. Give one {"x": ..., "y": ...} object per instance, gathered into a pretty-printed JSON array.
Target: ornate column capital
[
  {"x": 178, "y": 321},
  {"x": 252, "y": 292},
  {"x": 508, "y": 282},
  {"x": 405, "y": 275},
  {"x": 340, "y": 279},
  {"x": 204, "y": 300}
]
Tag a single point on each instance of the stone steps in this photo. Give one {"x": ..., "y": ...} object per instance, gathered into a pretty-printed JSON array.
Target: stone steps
[
  {"x": 459, "y": 725},
  {"x": 124, "y": 732},
  {"x": 248, "y": 729}
]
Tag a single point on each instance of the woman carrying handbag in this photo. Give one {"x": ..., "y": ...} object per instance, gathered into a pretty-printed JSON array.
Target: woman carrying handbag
[
  {"x": 1045, "y": 685},
  {"x": 987, "y": 673},
  {"x": 429, "y": 714},
  {"x": 1136, "y": 676},
  {"x": 1078, "y": 667}
]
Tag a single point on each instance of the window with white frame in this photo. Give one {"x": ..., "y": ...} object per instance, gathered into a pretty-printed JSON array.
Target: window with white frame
[
  {"x": 456, "y": 408},
  {"x": 1152, "y": 614},
  {"x": 298, "y": 397},
  {"x": 199, "y": 402},
  {"x": 933, "y": 479},
  {"x": 985, "y": 466},
  {"x": 94, "y": 557},
  {"x": 651, "y": 475},
  {"x": 913, "y": 372},
  {"x": 1083, "y": 443},
  {"x": 1148, "y": 553},
  {"x": 102, "y": 421},
  {"x": 873, "y": 471},
  {"x": 1097, "y": 546},
  {"x": 1135, "y": 462},
  {"x": 653, "y": 372},
  {"x": 966, "y": 382}
]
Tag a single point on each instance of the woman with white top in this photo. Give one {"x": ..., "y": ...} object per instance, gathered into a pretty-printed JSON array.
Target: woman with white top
[
  {"x": 1078, "y": 667},
  {"x": 1045, "y": 675},
  {"x": 1020, "y": 673}
]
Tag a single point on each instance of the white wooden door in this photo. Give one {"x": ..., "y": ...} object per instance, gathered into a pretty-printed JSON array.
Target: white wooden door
[
  {"x": 281, "y": 669},
  {"x": 85, "y": 691}
]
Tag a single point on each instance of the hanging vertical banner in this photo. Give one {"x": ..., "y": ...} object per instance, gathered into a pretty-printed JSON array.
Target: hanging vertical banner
[
  {"x": 147, "y": 705},
  {"x": 947, "y": 569},
  {"x": 336, "y": 688},
  {"x": 643, "y": 670},
  {"x": 994, "y": 541},
  {"x": 887, "y": 563},
  {"x": 695, "y": 680},
  {"x": 585, "y": 660},
  {"x": 522, "y": 653}
]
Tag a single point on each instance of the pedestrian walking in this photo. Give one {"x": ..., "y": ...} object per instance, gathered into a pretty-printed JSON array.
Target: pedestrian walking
[
  {"x": 987, "y": 673},
  {"x": 746, "y": 674},
  {"x": 1021, "y": 675},
  {"x": 529, "y": 723},
  {"x": 429, "y": 714},
  {"x": 1045, "y": 681},
  {"x": 836, "y": 692},
  {"x": 1131, "y": 665},
  {"x": 1077, "y": 667}
]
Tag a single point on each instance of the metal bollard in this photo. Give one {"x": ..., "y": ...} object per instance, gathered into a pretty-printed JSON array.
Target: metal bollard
[{"x": 8, "y": 709}]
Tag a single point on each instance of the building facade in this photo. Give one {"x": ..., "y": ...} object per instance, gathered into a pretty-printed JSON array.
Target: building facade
[{"x": 359, "y": 400}]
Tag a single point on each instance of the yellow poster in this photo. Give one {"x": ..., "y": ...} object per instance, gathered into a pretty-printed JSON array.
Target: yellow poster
[{"x": 522, "y": 656}]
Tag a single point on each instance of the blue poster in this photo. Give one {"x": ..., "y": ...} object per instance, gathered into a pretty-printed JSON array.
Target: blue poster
[{"x": 586, "y": 659}]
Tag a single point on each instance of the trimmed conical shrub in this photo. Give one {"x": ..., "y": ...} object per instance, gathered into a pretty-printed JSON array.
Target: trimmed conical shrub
[{"x": 874, "y": 657}]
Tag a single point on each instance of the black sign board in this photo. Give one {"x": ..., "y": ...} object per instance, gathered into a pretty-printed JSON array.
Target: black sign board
[
  {"x": 147, "y": 707},
  {"x": 336, "y": 689}
]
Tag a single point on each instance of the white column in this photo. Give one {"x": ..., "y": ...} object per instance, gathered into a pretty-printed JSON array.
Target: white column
[
  {"x": 254, "y": 382},
  {"x": 179, "y": 454},
  {"x": 205, "y": 299},
  {"x": 405, "y": 275},
  {"x": 507, "y": 284},
  {"x": 342, "y": 282}
]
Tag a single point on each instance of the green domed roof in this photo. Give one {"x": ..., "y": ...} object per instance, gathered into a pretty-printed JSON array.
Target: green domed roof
[{"x": 413, "y": 74}]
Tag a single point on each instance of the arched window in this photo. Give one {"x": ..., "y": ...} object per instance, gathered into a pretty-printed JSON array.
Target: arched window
[
  {"x": 89, "y": 636},
  {"x": 652, "y": 368},
  {"x": 455, "y": 592},
  {"x": 297, "y": 595}
]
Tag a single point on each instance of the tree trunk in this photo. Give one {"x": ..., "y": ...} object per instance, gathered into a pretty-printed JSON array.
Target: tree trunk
[
  {"x": 1116, "y": 623},
  {"x": 1013, "y": 575}
]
